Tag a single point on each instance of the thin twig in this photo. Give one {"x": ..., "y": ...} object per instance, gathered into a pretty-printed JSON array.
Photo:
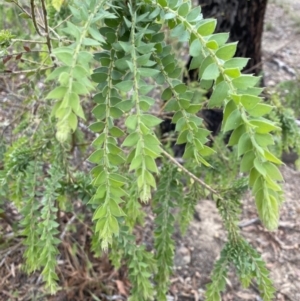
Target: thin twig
[
  {"x": 110, "y": 298},
  {"x": 63, "y": 21},
  {"x": 81, "y": 162},
  {"x": 58, "y": 38},
  {"x": 22, "y": 9},
  {"x": 27, "y": 71},
  {"x": 202, "y": 183},
  {"x": 249, "y": 223},
  {"x": 32, "y": 62},
  {"x": 38, "y": 23},
  {"x": 13, "y": 105},
  {"x": 27, "y": 13},
  {"x": 70, "y": 221},
  {"x": 23, "y": 52},
  {"x": 28, "y": 41},
  {"x": 11, "y": 93},
  {"x": 47, "y": 30},
  {"x": 12, "y": 249},
  {"x": 34, "y": 17}
]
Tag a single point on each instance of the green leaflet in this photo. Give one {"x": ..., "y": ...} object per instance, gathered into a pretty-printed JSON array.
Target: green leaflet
[
  {"x": 196, "y": 61},
  {"x": 57, "y": 93},
  {"x": 125, "y": 86},
  {"x": 205, "y": 63},
  {"x": 244, "y": 144},
  {"x": 236, "y": 135},
  {"x": 207, "y": 27},
  {"x": 249, "y": 101},
  {"x": 184, "y": 9},
  {"x": 247, "y": 162},
  {"x": 263, "y": 126},
  {"x": 227, "y": 51},
  {"x": 232, "y": 72},
  {"x": 210, "y": 72},
  {"x": 65, "y": 55},
  {"x": 272, "y": 171},
  {"x": 245, "y": 81},
  {"x": 219, "y": 38},
  {"x": 195, "y": 48},
  {"x": 264, "y": 139},
  {"x": 260, "y": 110},
  {"x": 233, "y": 121},
  {"x": 194, "y": 14},
  {"x": 236, "y": 62}
]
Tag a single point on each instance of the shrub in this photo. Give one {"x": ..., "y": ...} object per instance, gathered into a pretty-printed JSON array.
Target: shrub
[{"x": 125, "y": 42}]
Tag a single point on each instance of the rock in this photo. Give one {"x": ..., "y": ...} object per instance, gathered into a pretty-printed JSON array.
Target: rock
[{"x": 182, "y": 257}]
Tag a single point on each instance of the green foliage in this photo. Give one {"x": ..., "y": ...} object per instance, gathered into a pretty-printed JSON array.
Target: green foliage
[
  {"x": 248, "y": 264},
  {"x": 34, "y": 190},
  {"x": 237, "y": 251},
  {"x": 289, "y": 93},
  {"x": 5, "y": 38},
  {"x": 42, "y": 242},
  {"x": 168, "y": 190},
  {"x": 141, "y": 266},
  {"x": 286, "y": 114},
  {"x": 187, "y": 206},
  {"x": 124, "y": 42}
]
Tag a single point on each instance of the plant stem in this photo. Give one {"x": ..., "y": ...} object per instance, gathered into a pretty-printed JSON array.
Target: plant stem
[{"x": 195, "y": 178}]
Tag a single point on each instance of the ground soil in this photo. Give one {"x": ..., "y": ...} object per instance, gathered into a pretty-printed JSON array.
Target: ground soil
[
  {"x": 281, "y": 41},
  {"x": 198, "y": 250}
]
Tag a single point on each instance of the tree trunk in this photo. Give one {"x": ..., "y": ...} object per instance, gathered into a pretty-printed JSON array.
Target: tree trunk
[{"x": 244, "y": 19}]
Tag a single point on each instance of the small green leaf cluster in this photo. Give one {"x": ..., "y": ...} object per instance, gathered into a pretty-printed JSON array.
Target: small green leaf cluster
[
  {"x": 24, "y": 176},
  {"x": 79, "y": 187},
  {"x": 141, "y": 265},
  {"x": 16, "y": 160},
  {"x": 248, "y": 264},
  {"x": 187, "y": 204},
  {"x": 5, "y": 38},
  {"x": 286, "y": 115},
  {"x": 40, "y": 226},
  {"x": 133, "y": 208},
  {"x": 57, "y": 11},
  {"x": 224, "y": 163},
  {"x": 289, "y": 93},
  {"x": 230, "y": 208},
  {"x": 34, "y": 187},
  {"x": 237, "y": 251},
  {"x": 168, "y": 191},
  {"x": 73, "y": 72}
]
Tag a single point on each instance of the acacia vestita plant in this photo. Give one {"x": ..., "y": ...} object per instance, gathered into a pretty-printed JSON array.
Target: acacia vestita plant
[{"x": 125, "y": 40}]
